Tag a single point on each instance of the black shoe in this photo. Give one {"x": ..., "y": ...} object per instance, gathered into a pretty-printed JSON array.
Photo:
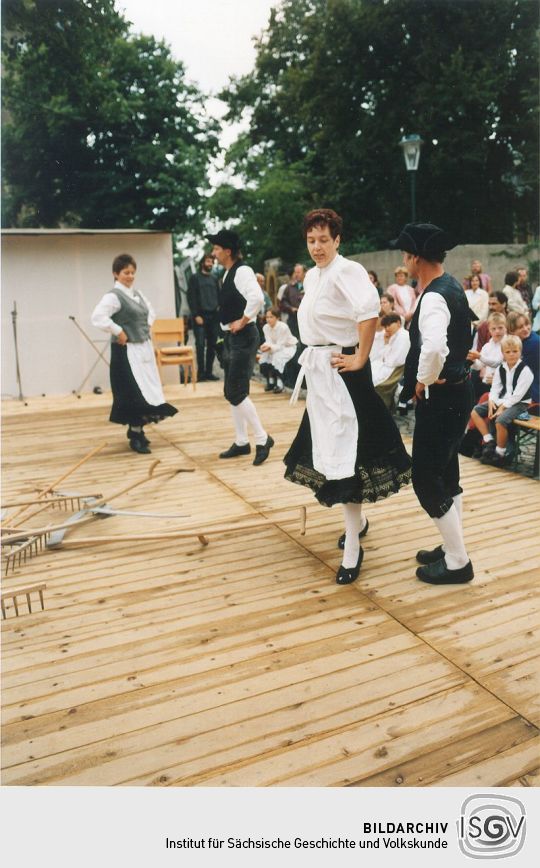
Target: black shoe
[
  {"x": 363, "y": 532},
  {"x": 140, "y": 434},
  {"x": 269, "y": 387},
  {"x": 346, "y": 575},
  {"x": 234, "y": 451},
  {"x": 430, "y": 556},
  {"x": 137, "y": 443},
  {"x": 439, "y": 574},
  {"x": 262, "y": 452},
  {"x": 488, "y": 450},
  {"x": 495, "y": 460},
  {"x": 211, "y": 378},
  {"x": 278, "y": 389}
]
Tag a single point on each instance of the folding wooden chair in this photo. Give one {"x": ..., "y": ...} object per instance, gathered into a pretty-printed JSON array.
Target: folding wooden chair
[{"x": 171, "y": 331}]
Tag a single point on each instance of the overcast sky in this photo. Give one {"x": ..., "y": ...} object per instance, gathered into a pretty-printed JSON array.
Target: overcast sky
[{"x": 213, "y": 38}]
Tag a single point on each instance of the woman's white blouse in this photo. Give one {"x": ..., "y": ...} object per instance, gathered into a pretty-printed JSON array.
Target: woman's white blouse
[{"x": 336, "y": 299}]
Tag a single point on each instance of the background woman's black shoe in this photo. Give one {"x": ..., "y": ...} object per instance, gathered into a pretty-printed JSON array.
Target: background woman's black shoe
[
  {"x": 345, "y": 576},
  {"x": 270, "y": 386},
  {"x": 277, "y": 389},
  {"x": 137, "y": 444},
  {"x": 363, "y": 532},
  {"x": 140, "y": 434}
]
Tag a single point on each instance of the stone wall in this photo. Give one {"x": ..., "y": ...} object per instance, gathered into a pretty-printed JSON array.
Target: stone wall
[{"x": 496, "y": 260}]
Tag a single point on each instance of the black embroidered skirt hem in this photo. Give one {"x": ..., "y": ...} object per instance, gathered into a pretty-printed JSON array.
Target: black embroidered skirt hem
[
  {"x": 382, "y": 464},
  {"x": 129, "y": 407}
]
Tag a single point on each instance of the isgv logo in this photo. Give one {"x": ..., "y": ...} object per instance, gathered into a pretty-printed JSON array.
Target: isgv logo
[{"x": 491, "y": 826}]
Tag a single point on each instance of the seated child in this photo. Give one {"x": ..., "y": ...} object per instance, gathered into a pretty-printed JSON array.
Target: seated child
[
  {"x": 490, "y": 356},
  {"x": 387, "y": 370},
  {"x": 278, "y": 348},
  {"x": 509, "y": 396}
]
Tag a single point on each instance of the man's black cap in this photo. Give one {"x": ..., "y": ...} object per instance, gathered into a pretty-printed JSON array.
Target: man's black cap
[
  {"x": 422, "y": 239},
  {"x": 225, "y": 238}
]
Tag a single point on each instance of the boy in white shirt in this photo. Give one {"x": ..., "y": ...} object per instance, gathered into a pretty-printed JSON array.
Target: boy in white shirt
[
  {"x": 490, "y": 357},
  {"x": 509, "y": 396}
]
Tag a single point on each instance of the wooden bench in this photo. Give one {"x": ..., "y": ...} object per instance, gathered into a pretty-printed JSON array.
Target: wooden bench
[{"x": 526, "y": 430}]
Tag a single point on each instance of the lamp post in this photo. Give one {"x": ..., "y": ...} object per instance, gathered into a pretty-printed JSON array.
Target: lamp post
[{"x": 411, "y": 152}]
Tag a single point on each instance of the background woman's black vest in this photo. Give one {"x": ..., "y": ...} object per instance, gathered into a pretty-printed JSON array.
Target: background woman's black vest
[
  {"x": 459, "y": 336},
  {"x": 231, "y": 302}
]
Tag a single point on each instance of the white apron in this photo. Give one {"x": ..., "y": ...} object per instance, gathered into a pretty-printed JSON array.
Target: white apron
[{"x": 332, "y": 417}]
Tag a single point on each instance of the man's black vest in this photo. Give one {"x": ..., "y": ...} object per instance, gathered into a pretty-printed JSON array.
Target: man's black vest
[
  {"x": 459, "y": 337},
  {"x": 232, "y": 303},
  {"x": 514, "y": 377}
]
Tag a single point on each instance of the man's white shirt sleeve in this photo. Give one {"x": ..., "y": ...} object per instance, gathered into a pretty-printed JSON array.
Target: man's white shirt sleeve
[{"x": 433, "y": 324}]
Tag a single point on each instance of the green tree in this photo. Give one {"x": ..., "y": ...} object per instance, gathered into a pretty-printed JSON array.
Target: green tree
[
  {"x": 338, "y": 82},
  {"x": 101, "y": 128}
]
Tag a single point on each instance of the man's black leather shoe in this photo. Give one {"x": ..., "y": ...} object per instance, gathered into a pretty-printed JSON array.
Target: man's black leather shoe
[
  {"x": 234, "y": 451},
  {"x": 345, "y": 575},
  {"x": 262, "y": 452},
  {"x": 211, "y": 378},
  {"x": 430, "y": 556},
  {"x": 269, "y": 387},
  {"x": 439, "y": 574},
  {"x": 363, "y": 532}
]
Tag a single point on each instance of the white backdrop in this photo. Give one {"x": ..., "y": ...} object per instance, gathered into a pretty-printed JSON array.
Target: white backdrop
[{"x": 52, "y": 274}]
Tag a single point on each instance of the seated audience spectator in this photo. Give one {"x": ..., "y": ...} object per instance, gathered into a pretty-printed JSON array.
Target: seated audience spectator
[
  {"x": 404, "y": 295},
  {"x": 490, "y": 356},
  {"x": 278, "y": 348},
  {"x": 520, "y": 325},
  {"x": 509, "y": 396},
  {"x": 524, "y": 288},
  {"x": 266, "y": 305},
  {"x": 292, "y": 298},
  {"x": 515, "y": 299},
  {"x": 497, "y": 303},
  {"x": 485, "y": 279},
  {"x": 375, "y": 281},
  {"x": 388, "y": 369},
  {"x": 387, "y": 307},
  {"x": 478, "y": 299},
  {"x": 536, "y": 308}
]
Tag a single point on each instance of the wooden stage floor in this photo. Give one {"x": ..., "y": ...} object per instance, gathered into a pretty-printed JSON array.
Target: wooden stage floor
[{"x": 159, "y": 663}]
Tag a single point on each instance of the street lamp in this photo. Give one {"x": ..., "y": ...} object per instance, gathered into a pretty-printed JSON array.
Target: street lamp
[{"x": 411, "y": 152}]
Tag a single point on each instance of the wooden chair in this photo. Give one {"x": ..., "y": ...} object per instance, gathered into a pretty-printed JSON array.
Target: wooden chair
[{"x": 171, "y": 331}]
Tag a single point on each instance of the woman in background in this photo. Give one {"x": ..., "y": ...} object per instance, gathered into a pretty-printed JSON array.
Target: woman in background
[{"x": 127, "y": 315}]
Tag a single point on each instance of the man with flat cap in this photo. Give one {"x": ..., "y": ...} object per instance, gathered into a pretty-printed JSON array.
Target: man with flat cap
[
  {"x": 240, "y": 300},
  {"x": 437, "y": 376}
]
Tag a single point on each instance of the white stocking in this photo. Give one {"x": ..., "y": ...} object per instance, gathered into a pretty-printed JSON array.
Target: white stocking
[
  {"x": 449, "y": 527},
  {"x": 240, "y": 426},
  {"x": 353, "y": 525},
  {"x": 251, "y": 418}
]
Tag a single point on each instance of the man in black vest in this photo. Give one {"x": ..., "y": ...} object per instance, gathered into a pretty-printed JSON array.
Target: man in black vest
[
  {"x": 203, "y": 300},
  {"x": 437, "y": 376},
  {"x": 239, "y": 301}
]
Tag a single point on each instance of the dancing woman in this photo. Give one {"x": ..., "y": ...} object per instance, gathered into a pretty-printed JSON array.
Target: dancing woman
[
  {"x": 348, "y": 449},
  {"x": 137, "y": 393}
]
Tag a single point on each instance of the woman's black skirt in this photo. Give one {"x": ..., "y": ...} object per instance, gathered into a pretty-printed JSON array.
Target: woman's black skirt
[
  {"x": 129, "y": 406},
  {"x": 382, "y": 464}
]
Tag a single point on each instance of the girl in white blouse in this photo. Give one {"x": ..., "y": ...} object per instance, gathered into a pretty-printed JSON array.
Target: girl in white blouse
[
  {"x": 127, "y": 316},
  {"x": 278, "y": 348},
  {"x": 348, "y": 449}
]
